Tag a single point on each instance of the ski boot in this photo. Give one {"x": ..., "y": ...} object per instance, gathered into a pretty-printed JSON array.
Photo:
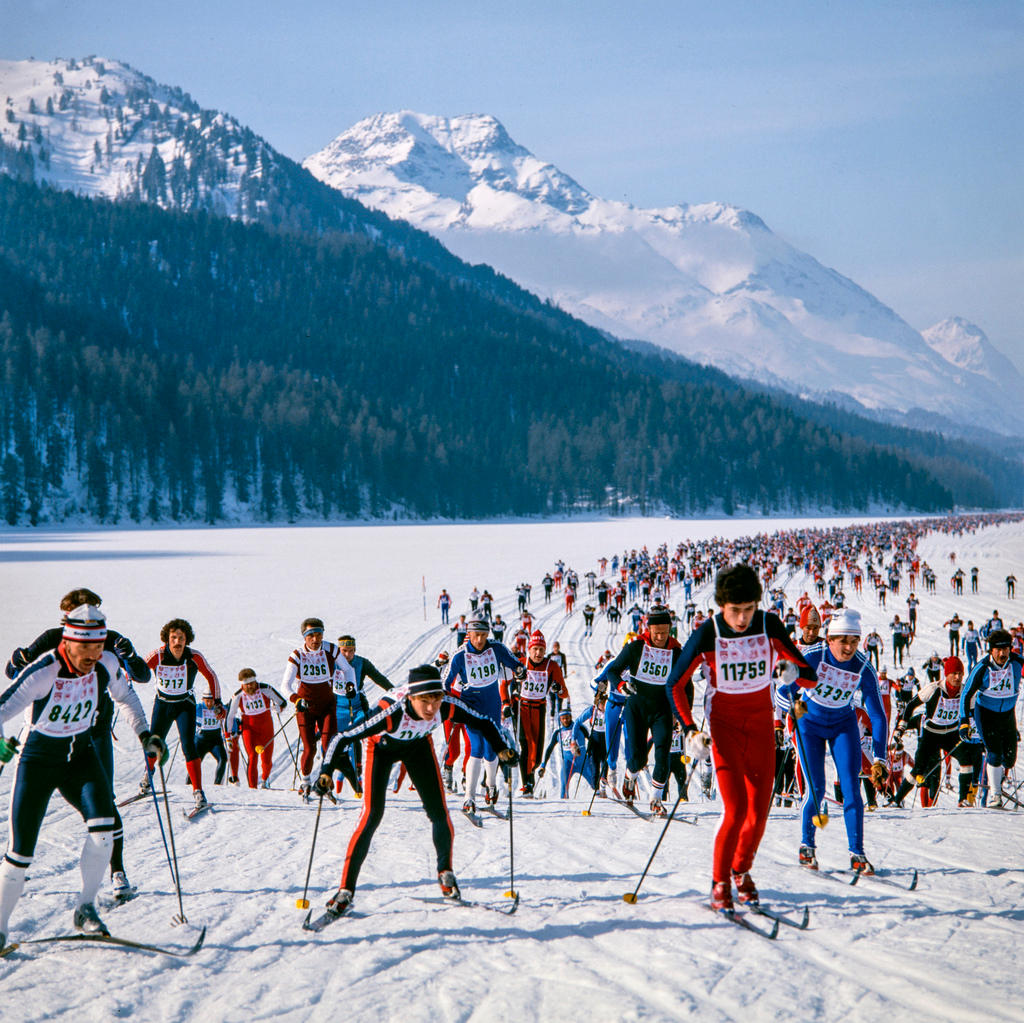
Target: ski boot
[
  {"x": 491, "y": 795},
  {"x": 87, "y": 920},
  {"x": 200, "y": 797},
  {"x": 628, "y": 790},
  {"x": 265, "y": 784},
  {"x": 449, "y": 886},
  {"x": 746, "y": 890},
  {"x": 721, "y": 897},
  {"x": 144, "y": 786},
  {"x": 446, "y": 774},
  {"x": 658, "y": 808},
  {"x": 304, "y": 790},
  {"x": 339, "y": 903},
  {"x": 528, "y": 790},
  {"x": 232, "y": 780},
  {"x": 469, "y": 807},
  {"x": 859, "y": 864},
  {"x": 808, "y": 858},
  {"x": 119, "y": 886}
]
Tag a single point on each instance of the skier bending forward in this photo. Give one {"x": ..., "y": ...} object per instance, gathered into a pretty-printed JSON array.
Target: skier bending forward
[{"x": 400, "y": 731}]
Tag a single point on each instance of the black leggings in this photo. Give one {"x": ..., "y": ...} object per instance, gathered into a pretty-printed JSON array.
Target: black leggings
[
  {"x": 81, "y": 781},
  {"x": 179, "y": 712},
  {"x": 421, "y": 762},
  {"x": 998, "y": 730},
  {"x": 211, "y": 740},
  {"x": 648, "y": 713}
]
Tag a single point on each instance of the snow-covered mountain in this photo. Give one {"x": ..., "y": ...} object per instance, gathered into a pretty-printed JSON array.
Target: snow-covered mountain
[
  {"x": 709, "y": 281},
  {"x": 967, "y": 346}
]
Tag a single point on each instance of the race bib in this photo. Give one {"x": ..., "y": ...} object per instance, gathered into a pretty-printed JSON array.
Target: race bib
[
  {"x": 313, "y": 668},
  {"x": 481, "y": 669},
  {"x": 744, "y": 663},
  {"x": 835, "y": 686},
  {"x": 172, "y": 679},
  {"x": 999, "y": 682},
  {"x": 654, "y": 666},
  {"x": 946, "y": 713},
  {"x": 206, "y": 719},
  {"x": 535, "y": 685},
  {"x": 253, "y": 705},
  {"x": 410, "y": 728},
  {"x": 71, "y": 707}
]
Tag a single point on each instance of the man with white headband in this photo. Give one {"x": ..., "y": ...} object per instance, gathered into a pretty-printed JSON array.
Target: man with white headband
[
  {"x": 828, "y": 719},
  {"x": 61, "y": 692}
]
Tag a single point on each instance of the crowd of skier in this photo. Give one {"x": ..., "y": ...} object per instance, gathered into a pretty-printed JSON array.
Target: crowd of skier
[{"x": 750, "y": 695}]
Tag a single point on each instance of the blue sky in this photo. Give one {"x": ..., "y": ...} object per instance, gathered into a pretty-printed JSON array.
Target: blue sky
[{"x": 884, "y": 138}]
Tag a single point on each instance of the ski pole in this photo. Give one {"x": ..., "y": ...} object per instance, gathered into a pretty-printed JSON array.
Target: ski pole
[
  {"x": 511, "y": 893},
  {"x": 173, "y": 856},
  {"x": 631, "y": 896},
  {"x": 291, "y": 752},
  {"x": 820, "y": 819},
  {"x": 303, "y": 903},
  {"x": 260, "y": 749}
]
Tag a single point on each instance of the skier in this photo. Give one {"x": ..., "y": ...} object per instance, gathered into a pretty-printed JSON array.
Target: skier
[
  {"x": 444, "y": 602},
  {"x": 176, "y": 664},
  {"x": 639, "y": 670},
  {"x": 251, "y": 709},
  {"x": 210, "y": 737},
  {"x": 827, "y": 719},
  {"x": 939, "y": 706},
  {"x": 543, "y": 675},
  {"x": 309, "y": 684},
  {"x": 474, "y": 676},
  {"x": 60, "y": 693},
  {"x": 990, "y": 697},
  {"x": 137, "y": 670},
  {"x": 400, "y": 732},
  {"x": 350, "y": 694},
  {"x": 738, "y": 648}
]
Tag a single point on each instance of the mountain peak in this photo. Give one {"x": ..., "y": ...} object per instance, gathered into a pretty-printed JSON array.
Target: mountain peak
[
  {"x": 445, "y": 157},
  {"x": 966, "y": 346}
]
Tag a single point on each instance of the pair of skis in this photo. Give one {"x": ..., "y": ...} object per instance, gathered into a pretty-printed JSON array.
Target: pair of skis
[
  {"x": 325, "y": 919},
  {"x": 477, "y": 821},
  {"x": 110, "y": 941}
]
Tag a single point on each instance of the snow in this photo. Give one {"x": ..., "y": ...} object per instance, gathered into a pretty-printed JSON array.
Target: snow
[{"x": 574, "y": 949}]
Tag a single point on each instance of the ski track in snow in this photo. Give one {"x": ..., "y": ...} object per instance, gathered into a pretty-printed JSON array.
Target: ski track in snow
[{"x": 574, "y": 948}]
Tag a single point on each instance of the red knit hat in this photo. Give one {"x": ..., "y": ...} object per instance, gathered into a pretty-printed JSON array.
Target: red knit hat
[
  {"x": 951, "y": 664},
  {"x": 806, "y": 614},
  {"x": 537, "y": 639}
]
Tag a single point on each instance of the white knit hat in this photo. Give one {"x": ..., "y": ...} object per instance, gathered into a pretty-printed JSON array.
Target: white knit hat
[{"x": 845, "y": 622}]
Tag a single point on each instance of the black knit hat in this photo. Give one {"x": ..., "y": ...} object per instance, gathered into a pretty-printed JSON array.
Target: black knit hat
[
  {"x": 659, "y": 615},
  {"x": 424, "y": 680}
]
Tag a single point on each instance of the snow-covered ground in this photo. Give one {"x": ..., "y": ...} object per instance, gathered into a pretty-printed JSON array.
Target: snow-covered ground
[{"x": 574, "y": 949}]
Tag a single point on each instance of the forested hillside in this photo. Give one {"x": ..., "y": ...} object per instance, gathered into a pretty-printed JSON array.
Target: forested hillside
[{"x": 181, "y": 366}]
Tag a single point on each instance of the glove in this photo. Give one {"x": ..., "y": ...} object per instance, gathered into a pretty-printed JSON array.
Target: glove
[
  {"x": 788, "y": 672},
  {"x": 323, "y": 785},
  {"x": 799, "y": 708},
  {"x": 879, "y": 773},
  {"x": 350, "y": 690},
  {"x": 123, "y": 648},
  {"x": 628, "y": 686},
  {"x": 965, "y": 730},
  {"x": 540, "y": 772},
  {"x": 601, "y": 686},
  {"x": 220, "y": 710},
  {"x": 780, "y": 738},
  {"x": 519, "y": 673},
  {"x": 301, "y": 705},
  {"x": 575, "y": 749},
  {"x": 506, "y": 712},
  {"x": 509, "y": 757},
  {"x": 8, "y": 747},
  {"x": 698, "y": 746},
  {"x": 897, "y": 734},
  {"x": 154, "y": 746}
]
